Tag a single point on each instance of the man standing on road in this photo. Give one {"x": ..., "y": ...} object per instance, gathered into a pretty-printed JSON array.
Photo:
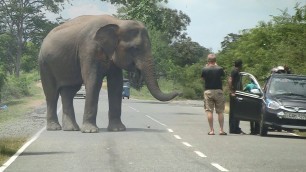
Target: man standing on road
[
  {"x": 212, "y": 75},
  {"x": 234, "y": 84}
]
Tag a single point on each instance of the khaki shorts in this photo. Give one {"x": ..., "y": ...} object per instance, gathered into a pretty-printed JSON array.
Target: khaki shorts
[{"x": 214, "y": 99}]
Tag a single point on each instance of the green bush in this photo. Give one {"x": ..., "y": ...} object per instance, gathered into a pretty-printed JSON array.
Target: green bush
[
  {"x": 193, "y": 90},
  {"x": 189, "y": 93},
  {"x": 17, "y": 87}
]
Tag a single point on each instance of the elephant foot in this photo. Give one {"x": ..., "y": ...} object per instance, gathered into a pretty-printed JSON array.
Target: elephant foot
[
  {"x": 116, "y": 125},
  {"x": 89, "y": 128},
  {"x": 52, "y": 126},
  {"x": 69, "y": 125}
]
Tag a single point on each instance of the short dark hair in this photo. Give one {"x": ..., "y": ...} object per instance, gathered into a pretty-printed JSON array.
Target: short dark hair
[
  {"x": 211, "y": 58},
  {"x": 238, "y": 63}
]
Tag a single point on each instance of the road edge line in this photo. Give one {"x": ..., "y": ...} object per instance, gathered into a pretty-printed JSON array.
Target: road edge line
[
  {"x": 16, "y": 155},
  {"x": 28, "y": 143}
]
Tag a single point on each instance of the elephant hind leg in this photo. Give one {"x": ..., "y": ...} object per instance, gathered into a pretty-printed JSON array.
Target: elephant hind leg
[
  {"x": 52, "y": 119},
  {"x": 52, "y": 95},
  {"x": 67, "y": 94}
]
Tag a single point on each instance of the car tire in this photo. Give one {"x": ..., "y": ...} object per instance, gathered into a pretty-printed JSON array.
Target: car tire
[{"x": 263, "y": 129}]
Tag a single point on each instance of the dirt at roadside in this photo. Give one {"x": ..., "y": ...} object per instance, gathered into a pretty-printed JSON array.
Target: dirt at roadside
[{"x": 28, "y": 124}]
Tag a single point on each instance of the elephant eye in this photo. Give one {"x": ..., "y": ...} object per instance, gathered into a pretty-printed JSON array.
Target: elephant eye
[{"x": 134, "y": 48}]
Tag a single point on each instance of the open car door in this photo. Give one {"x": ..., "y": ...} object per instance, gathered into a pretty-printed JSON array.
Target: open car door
[{"x": 248, "y": 101}]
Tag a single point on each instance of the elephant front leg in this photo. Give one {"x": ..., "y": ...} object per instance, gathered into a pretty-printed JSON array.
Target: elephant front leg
[
  {"x": 114, "y": 87},
  {"x": 90, "y": 113},
  {"x": 93, "y": 87}
]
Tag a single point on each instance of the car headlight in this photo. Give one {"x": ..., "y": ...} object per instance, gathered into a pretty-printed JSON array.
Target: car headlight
[{"x": 273, "y": 105}]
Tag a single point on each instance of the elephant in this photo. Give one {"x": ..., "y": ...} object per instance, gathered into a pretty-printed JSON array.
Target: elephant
[{"x": 85, "y": 50}]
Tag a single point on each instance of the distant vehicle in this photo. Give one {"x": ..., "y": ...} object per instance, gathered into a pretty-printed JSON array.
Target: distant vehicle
[
  {"x": 126, "y": 89},
  {"x": 81, "y": 93},
  {"x": 280, "y": 105}
]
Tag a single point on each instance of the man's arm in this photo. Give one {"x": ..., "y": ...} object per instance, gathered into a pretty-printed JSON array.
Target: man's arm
[{"x": 230, "y": 84}]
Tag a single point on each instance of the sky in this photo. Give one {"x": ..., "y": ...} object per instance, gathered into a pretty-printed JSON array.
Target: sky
[{"x": 211, "y": 20}]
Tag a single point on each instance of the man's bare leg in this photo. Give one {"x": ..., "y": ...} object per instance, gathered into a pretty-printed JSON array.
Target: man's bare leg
[{"x": 210, "y": 122}]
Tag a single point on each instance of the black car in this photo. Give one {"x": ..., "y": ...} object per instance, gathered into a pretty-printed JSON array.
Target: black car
[{"x": 279, "y": 105}]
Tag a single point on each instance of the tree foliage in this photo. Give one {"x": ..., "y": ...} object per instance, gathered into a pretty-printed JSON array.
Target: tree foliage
[
  {"x": 281, "y": 41},
  {"x": 155, "y": 15},
  {"x": 24, "y": 21}
]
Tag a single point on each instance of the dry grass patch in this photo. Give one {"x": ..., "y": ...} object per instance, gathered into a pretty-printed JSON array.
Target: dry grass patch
[{"x": 8, "y": 147}]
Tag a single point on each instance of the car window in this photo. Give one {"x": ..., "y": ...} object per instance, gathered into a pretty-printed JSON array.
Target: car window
[
  {"x": 288, "y": 86},
  {"x": 249, "y": 85}
]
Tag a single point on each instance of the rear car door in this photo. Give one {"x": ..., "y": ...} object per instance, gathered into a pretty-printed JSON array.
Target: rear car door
[{"x": 247, "y": 103}]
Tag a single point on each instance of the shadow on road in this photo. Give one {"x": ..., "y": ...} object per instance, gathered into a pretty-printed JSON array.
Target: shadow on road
[
  {"x": 42, "y": 153},
  {"x": 136, "y": 130}
]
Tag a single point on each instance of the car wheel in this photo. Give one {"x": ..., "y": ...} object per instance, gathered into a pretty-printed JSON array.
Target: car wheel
[{"x": 263, "y": 129}]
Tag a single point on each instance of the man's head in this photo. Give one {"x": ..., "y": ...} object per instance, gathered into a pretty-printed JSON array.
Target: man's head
[
  {"x": 238, "y": 63},
  {"x": 211, "y": 58}
]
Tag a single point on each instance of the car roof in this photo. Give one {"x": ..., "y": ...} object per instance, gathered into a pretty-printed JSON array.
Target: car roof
[{"x": 276, "y": 75}]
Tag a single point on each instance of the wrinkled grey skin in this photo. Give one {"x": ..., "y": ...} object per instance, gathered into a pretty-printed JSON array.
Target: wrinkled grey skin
[{"x": 85, "y": 50}]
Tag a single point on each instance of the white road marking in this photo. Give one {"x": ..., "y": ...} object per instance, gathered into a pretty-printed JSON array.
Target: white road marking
[
  {"x": 177, "y": 137},
  {"x": 187, "y": 144},
  {"x": 200, "y": 154},
  {"x": 170, "y": 130},
  {"x": 134, "y": 109},
  {"x": 219, "y": 167},
  {"x": 17, "y": 154},
  {"x": 156, "y": 121}
]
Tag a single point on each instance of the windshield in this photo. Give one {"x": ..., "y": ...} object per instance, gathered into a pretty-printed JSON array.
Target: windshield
[{"x": 288, "y": 86}]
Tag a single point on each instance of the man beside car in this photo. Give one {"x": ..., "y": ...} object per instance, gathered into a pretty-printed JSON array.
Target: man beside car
[
  {"x": 234, "y": 84},
  {"x": 254, "y": 126}
]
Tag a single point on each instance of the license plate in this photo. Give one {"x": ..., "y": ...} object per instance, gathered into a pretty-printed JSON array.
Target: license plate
[{"x": 299, "y": 116}]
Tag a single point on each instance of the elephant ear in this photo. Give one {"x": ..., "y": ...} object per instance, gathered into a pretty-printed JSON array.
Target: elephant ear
[{"x": 107, "y": 36}]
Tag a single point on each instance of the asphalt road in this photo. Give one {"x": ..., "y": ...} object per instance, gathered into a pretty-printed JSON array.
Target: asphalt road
[{"x": 160, "y": 137}]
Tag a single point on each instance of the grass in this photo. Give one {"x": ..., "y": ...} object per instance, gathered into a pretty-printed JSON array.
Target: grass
[
  {"x": 300, "y": 133},
  {"x": 8, "y": 147},
  {"x": 16, "y": 109}
]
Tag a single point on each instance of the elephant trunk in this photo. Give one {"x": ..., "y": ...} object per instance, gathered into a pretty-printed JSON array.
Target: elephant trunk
[{"x": 149, "y": 75}]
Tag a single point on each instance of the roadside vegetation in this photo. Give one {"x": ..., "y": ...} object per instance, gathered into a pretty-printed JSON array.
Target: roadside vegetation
[
  {"x": 8, "y": 147},
  {"x": 178, "y": 59},
  {"x": 20, "y": 96}
]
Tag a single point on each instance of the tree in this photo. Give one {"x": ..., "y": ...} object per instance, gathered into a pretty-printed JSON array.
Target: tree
[
  {"x": 280, "y": 41},
  {"x": 7, "y": 48},
  {"x": 155, "y": 15},
  {"x": 24, "y": 21},
  {"x": 230, "y": 38},
  {"x": 186, "y": 52},
  {"x": 2, "y": 79}
]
